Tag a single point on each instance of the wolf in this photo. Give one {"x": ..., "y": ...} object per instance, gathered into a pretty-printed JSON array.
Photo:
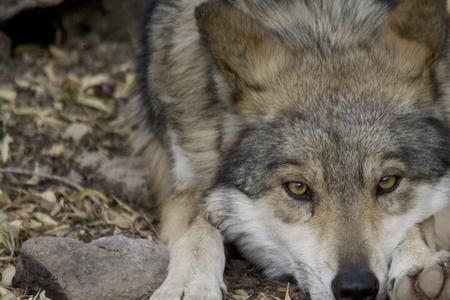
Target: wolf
[{"x": 311, "y": 134}]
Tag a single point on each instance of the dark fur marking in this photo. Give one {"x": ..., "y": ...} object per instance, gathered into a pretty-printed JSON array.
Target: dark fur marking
[
  {"x": 153, "y": 108},
  {"x": 430, "y": 146}
]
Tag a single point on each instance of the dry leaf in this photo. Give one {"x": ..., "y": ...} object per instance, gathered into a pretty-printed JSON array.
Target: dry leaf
[
  {"x": 34, "y": 180},
  {"x": 8, "y": 94},
  {"x": 45, "y": 219},
  {"x": 23, "y": 84},
  {"x": 56, "y": 150},
  {"x": 4, "y": 198},
  {"x": 91, "y": 193},
  {"x": 59, "y": 231},
  {"x": 121, "y": 220},
  {"x": 77, "y": 131},
  {"x": 33, "y": 224},
  {"x": 4, "y": 148},
  {"x": 95, "y": 103},
  {"x": 6, "y": 294},
  {"x": 57, "y": 53},
  {"x": 93, "y": 81},
  {"x": 16, "y": 226},
  {"x": 7, "y": 275},
  {"x": 49, "y": 71},
  {"x": 48, "y": 196}
]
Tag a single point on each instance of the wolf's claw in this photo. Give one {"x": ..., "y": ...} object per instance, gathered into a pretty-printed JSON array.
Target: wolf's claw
[
  {"x": 199, "y": 289},
  {"x": 431, "y": 281}
]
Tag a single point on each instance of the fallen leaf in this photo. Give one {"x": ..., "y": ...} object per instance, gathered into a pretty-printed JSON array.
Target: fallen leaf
[
  {"x": 6, "y": 294},
  {"x": 16, "y": 226},
  {"x": 4, "y": 148},
  {"x": 8, "y": 94},
  {"x": 77, "y": 131},
  {"x": 23, "y": 84},
  {"x": 45, "y": 219},
  {"x": 57, "y": 53},
  {"x": 56, "y": 150},
  {"x": 59, "y": 231},
  {"x": 95, "y": 103},
  {"x": 42, "y": 116},
  {"x": 33, "y": 224},
  {"x": 7, "y": 275},
  {"x": 49, "y": 71},
  {"x": 121, "y": 220},
  {"x": 48, "y": 196},
  {"x": 4, "y": 198},
  {"x": 91, "y": 193},
  {"x": 34, "y": 180}
]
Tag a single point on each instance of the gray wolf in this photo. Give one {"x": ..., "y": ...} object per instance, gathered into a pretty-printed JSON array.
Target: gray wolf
[{"x": 313, "y": 135}]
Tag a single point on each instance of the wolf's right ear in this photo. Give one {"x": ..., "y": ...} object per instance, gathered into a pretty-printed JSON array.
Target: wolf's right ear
[
  {"x": 242, "y": 48},
  {"x": 417, "y": 31}
]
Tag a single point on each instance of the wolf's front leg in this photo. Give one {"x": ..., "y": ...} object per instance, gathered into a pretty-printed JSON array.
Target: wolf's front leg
[
  {"x": 197, "y": 257},
  {"x": 417, "y": 272}
]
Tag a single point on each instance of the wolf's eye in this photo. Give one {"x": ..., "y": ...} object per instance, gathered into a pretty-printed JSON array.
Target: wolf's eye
[
  {"x": 296, "y": 189},
  {"x": 388, "y": 184}
]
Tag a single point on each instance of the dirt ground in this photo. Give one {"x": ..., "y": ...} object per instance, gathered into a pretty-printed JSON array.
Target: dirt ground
[{"x": 59, "y": 109}]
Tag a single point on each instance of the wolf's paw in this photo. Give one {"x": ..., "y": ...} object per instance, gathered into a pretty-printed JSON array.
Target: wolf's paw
[
  {"x": 197, "y": 289},
  {"x": 426, "y": 282}
]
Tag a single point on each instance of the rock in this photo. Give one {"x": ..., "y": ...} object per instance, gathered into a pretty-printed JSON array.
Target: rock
[
  {"x": 115, "y": 267},
  {"x": 9, "y": 8}
]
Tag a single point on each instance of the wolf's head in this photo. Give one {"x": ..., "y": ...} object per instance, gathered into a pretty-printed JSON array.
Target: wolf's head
[{"x": 344, "y": 142}]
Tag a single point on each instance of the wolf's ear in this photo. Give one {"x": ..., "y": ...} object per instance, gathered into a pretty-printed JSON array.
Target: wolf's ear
[
  {"x": 247, "y": 52},
  {"x": 417, "y": 30}
]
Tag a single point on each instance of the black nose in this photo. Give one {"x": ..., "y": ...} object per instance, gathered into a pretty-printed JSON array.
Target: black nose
[{"x": 355, "y": 285}]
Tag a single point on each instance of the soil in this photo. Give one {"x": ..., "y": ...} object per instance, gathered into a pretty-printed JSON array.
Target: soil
[{"x": 80, "y": 81}]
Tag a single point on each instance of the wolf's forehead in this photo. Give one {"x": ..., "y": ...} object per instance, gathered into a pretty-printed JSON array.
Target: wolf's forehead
[{"x": 343, "y": 142}]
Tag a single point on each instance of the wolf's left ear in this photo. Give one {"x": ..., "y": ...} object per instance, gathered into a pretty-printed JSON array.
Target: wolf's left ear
[
  {"x": 417, "y": 30},
  {"x": 242, "y": 48}
]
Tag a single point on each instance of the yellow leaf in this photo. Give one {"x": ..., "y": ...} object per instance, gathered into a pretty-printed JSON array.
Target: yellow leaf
[
  {"x": 91, "y": 193},
  {"x": 8, "y": 94},
  {"x": 45, "y": 219},
  {"x": 56, "y": 150},
  {"x": 4, "y": 148},
  {"x": 95, "y": 103}
]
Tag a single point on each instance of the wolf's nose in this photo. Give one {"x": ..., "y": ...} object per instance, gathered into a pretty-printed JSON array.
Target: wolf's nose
[{"x": 355, "y": 285}]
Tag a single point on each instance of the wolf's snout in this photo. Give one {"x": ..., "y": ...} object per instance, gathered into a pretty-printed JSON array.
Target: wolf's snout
[{"x": 355, "y": 285}]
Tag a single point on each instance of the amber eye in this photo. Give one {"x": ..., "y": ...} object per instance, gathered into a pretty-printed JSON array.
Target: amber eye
[
  {"x": 296, "y": 189},
  {"x": 388, "y": 184}
]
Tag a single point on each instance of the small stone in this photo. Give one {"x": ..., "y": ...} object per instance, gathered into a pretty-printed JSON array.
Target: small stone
[{"x": 108, "y": 268}]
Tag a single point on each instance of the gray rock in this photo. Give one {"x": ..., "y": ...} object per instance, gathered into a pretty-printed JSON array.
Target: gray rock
[
  {"x": 116, "y": 268},
  {"x": 9, "y": 8}
]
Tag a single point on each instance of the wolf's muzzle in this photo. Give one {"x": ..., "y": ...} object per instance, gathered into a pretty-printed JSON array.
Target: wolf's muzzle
[{"x": 355, "y": 285}]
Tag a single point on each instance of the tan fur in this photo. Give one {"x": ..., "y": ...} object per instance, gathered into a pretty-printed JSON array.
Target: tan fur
[{"x": 418, "y": 29}]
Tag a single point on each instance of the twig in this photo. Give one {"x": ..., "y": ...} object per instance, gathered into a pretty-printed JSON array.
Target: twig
[
  {"x": 23, "y": 172},
  {"x": 13, "y": 242}
]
